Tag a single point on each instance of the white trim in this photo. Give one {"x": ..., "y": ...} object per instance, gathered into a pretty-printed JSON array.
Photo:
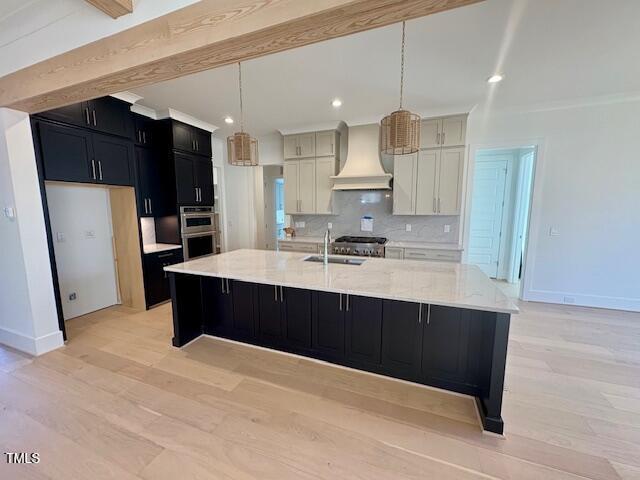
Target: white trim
[
  {"x": 316, "y": 127},
  {"x": 128, "y": 97},
  {"x": 146, "y": 111},
  {"x": 591, "y": 301},
  {"x": 185, "y": 118},
  {"x": 30, "y": 345}
]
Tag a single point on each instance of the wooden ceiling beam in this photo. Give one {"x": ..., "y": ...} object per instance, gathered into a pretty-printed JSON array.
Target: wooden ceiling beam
[
  {"x": 113, "y": 8},
  {"x": 205, "y": 35}
]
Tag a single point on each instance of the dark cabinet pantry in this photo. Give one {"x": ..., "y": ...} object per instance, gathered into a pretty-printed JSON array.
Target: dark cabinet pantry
[{"x": 194, "y": 179}]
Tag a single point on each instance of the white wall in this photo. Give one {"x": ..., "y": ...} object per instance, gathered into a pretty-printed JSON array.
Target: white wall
[
  {"x": 83, "y": 243},
  {"x": 586, "y": 187},
  {"x": 28, "y": 316}
]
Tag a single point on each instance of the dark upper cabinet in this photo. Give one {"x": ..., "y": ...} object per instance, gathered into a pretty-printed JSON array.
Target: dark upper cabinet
[
  {"x": 244, "y": 302},
  {"x": 203, "y": 172},
  {"x": 402, "y": 338},
  {"x": 217, "y": 307},
  {"x": 297, "y": 317},
  {"x": 363, "y": 339},
  {"x": 448, "y": 354},
  {"x": 328, "y": 324},
  {"x": 190, "y": 139},
  {"x": 194, "y": 179},
  {"x": 144, "y": 130},
  {"x": 67, "y": 153},
  {"x": 270, "y": 314},
  {"x": 110, "y": 115},
  {"x": 156, "y": 280},
  {"x": 76, "y": 114},
  {"x": 113, "y": 159},
  {"x": 149, "y": 183}
]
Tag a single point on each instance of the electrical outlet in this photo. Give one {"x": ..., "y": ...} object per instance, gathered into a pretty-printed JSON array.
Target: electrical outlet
[
  {"x": 60, "y": 237},
  {"x": 554, "y": 232},
  {"x": 90, "y": 234},
  {"x": 9, "y": 212},
  {"x": 447, "y": 228},
  {"x": 407, "y": 227},
  {"x": 329, "y": 225},
  {"x": 72, "y": 296},
  {"x": 569, "y": 300}
]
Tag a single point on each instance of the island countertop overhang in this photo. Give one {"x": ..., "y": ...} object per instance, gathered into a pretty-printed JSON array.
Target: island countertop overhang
[{"x": 436, "y": 283}]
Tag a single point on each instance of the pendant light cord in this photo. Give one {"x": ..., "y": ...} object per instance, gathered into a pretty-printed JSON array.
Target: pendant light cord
[
  {"x": 240, "y": 89},
  {"x": 402, "y": 67}
]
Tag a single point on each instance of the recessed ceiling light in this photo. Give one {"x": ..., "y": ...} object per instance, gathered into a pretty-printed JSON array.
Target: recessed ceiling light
[
  {"x": 336, "y": 103},
  {"x": 495, "y": 78},
  {"x": 228, "y": 120}
]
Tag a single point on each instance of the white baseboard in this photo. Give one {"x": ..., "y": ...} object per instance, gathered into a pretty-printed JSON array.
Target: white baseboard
[
  {"x": 595, "y": 301},
  {"x": 30, "y": 345}
]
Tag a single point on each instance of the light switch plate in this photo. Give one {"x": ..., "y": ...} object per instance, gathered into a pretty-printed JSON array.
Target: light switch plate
[
  {"x": 329, "y": 225},
  {"x": 90, "y": 234},
  {"x": 60, "y": 237},
  {"x": 554, "y": 232},
  {"x": 407, "y": 227},
  {"x": 9, "y": 212},
  {"x": 447, "y": 228},
  {"x": 300, "y": 224}
]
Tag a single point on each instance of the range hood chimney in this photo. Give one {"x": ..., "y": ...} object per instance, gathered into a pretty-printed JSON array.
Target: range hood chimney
[{"x": 363, "y": 170}]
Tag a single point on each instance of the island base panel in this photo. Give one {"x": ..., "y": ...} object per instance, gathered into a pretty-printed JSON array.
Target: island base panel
[{"x": 186, "y": 305}]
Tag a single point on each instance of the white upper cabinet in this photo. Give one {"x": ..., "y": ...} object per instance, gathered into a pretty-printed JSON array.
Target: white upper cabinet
[
  {"x": 300, "y": 146},
  {"x": 326, "y": 143},
  {"x": 427, "y": 182},
  {"x": 404, "y": 185},
  {"x": 430, "y": 133},
  {"x": 450, "y": 181},
  {"x": 453, "y": 131},
  {"x": 291, "y": 146}
]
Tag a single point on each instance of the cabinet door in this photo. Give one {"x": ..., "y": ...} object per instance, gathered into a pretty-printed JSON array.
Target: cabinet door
[
  {"x": 446, "y": 345},
  {"x": 291, "y": 146},
  {"x": 454, "y": 130},
  {"x": 297, "y": 317},
  {"x": 404, "y": 185},
  {"x": 328, "y": 324},
  {"x": 325, "y": 168},
  {"x": 144, "y": 130},
  {"x": 76, "y": 114},
  {"x": 66, "y": 153},
  {"x": 430, "y": 133},
  {"x": 243, "y": 312},
  {"x": 291, "y": 203},
  {"x": 325, "y": 144},
  {"x": 185, "y": 179},
  {"x": 203, "y": 170},
  {"x": 363, "y": 329},
  {"x": 111, "y": 115},
  {"x": 307, "y": 144},
  {"x": 202, "y": 140},
  {"x": 217, "y": 307},
  {"x": 402, "y": 338},
  {"x": 307, "y": 186},
  {"x": 153, "y": 280},
  {"x": 270, "y": 325},
  {"x": 148, "y": 185},
  {"x": 182, "y": 137},
  {"x": 426, "y": 196},
  {"x": 114, "y": 159},
  {"x": 450, "y": 180}
]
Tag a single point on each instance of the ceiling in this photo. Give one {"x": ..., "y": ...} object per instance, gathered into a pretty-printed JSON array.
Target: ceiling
[{"x": 548, "y": 51}]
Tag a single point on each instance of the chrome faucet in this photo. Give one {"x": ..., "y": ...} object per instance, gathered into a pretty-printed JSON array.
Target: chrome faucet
[{"x": 327, "y": 242}]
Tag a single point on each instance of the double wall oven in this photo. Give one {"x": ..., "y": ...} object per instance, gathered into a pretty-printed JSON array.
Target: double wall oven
[{"x": 197, "y": 228}]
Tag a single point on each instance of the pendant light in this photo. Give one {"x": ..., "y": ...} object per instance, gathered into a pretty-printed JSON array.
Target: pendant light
[
  {"x": 400, "y": 130},
  {"x": 241, "y": 147}
]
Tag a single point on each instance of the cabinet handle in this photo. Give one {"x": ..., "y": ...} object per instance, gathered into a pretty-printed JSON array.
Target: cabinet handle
[
  {"x": 146, "y": 210},
  {"x": 332, "y": 147},
  {"x": 438, "y": 138},
  {"x": 86, "y": 115},
  {"x": 438, "y": 204},
  {"x": 420, "y": 314},
  {"x": 196, "y": 190},
  {"x": 347, "y": 302},
  {"x": 144, "y": 137},
  {"x": 197, "y": 145},
  {"x": 428, "y": 314},
  {"x": 100, "y": 168},
  {"x": 94, "y": 118},
  {"x": 93, "y": 168},
  {"x": 222, "y": 285},
  {"x": 442, "y": 138},
  {"x": 165, "y": 255},
  {"x": 150, "y": 209},
  {"x": 434, "y": 205},
  {"x": 340, "y": 302},
  {"x": 228, "y": 288},
  {"x": 281, "y": 294}
]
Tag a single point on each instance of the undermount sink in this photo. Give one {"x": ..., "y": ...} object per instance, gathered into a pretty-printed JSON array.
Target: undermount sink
[{"x": 338, "y": 260}]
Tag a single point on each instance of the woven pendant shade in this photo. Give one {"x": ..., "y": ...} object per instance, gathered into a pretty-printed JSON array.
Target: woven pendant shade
[
  {"x": 242, "y": 149},
  {"x": 400, "y": 133}
]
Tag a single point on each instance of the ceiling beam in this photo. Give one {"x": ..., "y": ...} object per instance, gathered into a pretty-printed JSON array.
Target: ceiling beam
[
  {"x": 205, "y": 35},
  {"x": 113, "y": 8}
]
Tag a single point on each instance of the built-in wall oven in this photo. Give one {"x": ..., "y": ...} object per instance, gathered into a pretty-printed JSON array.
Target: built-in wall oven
[{"x": 197, "y": 231}]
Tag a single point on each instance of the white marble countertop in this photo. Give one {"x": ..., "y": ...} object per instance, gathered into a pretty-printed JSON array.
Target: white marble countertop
[
  {"x": 159, "y": 247},
  {"x": 438, "y": 283},
  {"x": 301, "y": 240},
  {"x": 425, "y": 245}
]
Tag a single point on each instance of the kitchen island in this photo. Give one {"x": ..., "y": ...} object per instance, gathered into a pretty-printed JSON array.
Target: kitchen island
[{"x": 439, "y": 324}]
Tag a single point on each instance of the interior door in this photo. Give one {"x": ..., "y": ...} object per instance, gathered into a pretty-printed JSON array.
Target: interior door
[
  {"x": 450, "y": 181},
  {"x": 404, "y": 184},
  {"x": 307, "y": 186},
  {"x": 291, "y": 186},
  {"x": 426, "y": 196},
  {"x": 114, "y": 157},
  {"x": 185, "y": 179},
  {"x": 486, "y": 214}
]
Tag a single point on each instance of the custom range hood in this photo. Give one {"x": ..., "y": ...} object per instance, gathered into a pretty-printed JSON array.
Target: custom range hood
[{"x": 363, "y": 170}]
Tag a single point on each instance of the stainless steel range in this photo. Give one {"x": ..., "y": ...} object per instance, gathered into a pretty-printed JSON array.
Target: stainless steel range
[{"x": 360, "y": 246}]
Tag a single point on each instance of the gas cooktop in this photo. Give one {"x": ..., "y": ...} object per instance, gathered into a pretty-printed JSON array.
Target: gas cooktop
[
  {"x": 353, "y": 239},
  {"x": 360, "y": 246}
]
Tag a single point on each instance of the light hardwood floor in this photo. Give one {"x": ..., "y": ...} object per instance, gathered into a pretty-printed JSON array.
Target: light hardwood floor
[{"x": 119, "y": 402}]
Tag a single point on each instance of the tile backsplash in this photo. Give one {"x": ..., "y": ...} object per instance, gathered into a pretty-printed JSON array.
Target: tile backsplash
[{"x": 351, "y": 206}]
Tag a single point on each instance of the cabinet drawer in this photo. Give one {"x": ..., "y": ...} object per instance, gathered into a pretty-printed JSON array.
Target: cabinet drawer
[
  {"x": 425, "y": 254},
  {"x": 394, "y": 252},
  {"x": 298, "y": 247}
]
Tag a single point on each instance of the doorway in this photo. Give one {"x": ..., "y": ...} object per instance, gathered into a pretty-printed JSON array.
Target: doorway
[
  {"x": 273, "y": 205},
  {"x": 500, "y": 205}
]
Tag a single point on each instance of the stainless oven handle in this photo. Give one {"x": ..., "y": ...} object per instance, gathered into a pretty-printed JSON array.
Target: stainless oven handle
[
  {"x": 194, "y": 214},
  {"x": 209, "y": 233}
]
